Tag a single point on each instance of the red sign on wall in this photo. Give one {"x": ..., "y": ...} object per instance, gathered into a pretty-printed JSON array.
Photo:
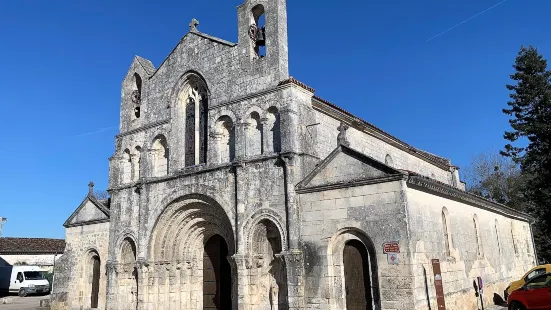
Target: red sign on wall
[{"x": 391, "y": 247}]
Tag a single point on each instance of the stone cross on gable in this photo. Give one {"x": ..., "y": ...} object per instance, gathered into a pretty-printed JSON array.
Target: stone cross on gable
[
  {"x": 91, "y": 188},
  {"x": 193, "y": 25},
  {"x": 341, "y": 138}
]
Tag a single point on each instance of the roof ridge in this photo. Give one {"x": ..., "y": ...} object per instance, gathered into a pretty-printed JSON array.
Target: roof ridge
[{"x": 430, "y": 156}]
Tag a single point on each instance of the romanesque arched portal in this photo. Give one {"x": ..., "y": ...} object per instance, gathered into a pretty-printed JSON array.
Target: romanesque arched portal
[{"x": 189, "y": 250}]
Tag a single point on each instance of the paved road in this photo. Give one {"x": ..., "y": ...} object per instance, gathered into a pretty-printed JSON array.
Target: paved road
[{"x": 23, "y": 303}]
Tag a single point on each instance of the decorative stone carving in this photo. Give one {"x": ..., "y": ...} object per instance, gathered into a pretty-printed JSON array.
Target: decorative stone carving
[
  {"x": 342, "y": 138},
  {"x": 193, "y": 25}
]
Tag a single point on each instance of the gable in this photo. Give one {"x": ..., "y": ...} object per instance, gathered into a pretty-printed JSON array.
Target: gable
[
  {"x": 347, "y": 167},
  {"x": 89, "y": 212}
]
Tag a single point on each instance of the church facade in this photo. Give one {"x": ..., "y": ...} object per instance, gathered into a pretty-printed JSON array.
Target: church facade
[{"x": 234, "y": 187}]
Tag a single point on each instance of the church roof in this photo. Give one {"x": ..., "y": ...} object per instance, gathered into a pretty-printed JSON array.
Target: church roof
[
  {"x": 411, "y": 149},
  {"x": 31, "y": 246},
  {"x": 438, "y": 188}
]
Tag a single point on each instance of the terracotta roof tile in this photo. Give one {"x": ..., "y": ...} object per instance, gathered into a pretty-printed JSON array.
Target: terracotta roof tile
[
  {"x": 31, "y": 245},
  {"x": 292, "y": 80}
]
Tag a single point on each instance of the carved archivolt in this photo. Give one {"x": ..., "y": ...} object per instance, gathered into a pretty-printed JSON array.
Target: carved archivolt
[
  {"x": 257, "y": 217},
  {"x": 185, "y": 226}
]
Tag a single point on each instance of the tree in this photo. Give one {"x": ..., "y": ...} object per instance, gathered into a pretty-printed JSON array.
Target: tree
[
  {"x": 496, "y": 178},
  {"x": 530, "y": 112},
  {"x": 101, "y": 195}
]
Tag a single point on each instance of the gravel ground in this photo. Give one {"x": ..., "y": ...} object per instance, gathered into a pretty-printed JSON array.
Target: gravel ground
[{"x": 23, "y": 303}]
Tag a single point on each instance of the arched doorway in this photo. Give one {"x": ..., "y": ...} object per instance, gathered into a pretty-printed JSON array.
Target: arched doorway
[
  {"x": 95, "y": 264},
  {"x": 188, "y": 265},
  {"x": 352, "y": 271},
  {"x": 216, "y": 275},
  {"x": 268, "y": 276},
  {"x": 356, "y": 276}
]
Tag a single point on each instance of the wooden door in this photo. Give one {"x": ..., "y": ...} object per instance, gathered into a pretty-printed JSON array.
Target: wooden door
[
  {"x": 216, "y": 275},
  {"x": 357, "y": 276},
  {"x": 95, "y": 282}
]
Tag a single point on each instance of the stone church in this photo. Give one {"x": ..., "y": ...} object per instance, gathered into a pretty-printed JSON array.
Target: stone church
[{"x": 233, "y": 186}]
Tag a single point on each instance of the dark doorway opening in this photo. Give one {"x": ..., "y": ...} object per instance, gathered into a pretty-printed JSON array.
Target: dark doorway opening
[
  {"x": 216, "y": 275},
  {"x": 356, "y": 276},
  {"x": 95, "y": 281}
]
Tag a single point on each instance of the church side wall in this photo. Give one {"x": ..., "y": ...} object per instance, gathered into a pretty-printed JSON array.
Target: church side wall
[
  {"x": 375, "y": 148},
  {"x": 328, "y": 217},
  {"x": 498, "y": 263},
  {"x": 72, "y": 282}
]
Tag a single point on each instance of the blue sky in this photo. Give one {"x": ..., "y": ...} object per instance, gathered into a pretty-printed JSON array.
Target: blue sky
[{"x": 63, "y": 63}]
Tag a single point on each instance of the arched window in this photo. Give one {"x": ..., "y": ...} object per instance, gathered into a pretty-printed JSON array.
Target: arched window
[
  {"x": 446, "y": 231},
  {"x": 254, "y": 135},
  {"x": 136, "y": 163},
  {"x": 226, "y": 142},
  {"x": 126, "y": 166},
  {"x": 389, "y": 161},
  {"x": 137, "y": 95},
  {"x": 194, "y": 101},
  {"x": 273, "y": 122},
  {"x": 479, "y": 250},
  {"x": 258, "y": 30},
  {"x": 160, "y": 157},
  {"x": 497, "y": 237}
]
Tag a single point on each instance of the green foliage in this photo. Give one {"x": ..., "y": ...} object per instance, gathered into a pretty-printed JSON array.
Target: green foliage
[
  {"x": 495, "y": 178},
  {"x": 530, "y": 111}
]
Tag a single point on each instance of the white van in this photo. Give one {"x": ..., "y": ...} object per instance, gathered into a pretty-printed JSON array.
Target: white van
[{"x": 23, "y": 280}]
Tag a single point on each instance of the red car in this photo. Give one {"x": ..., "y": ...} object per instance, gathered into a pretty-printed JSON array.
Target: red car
[{"x": 534, "y": 295}]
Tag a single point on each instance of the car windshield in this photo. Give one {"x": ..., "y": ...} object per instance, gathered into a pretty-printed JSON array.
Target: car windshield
[{"x": 33, "y": 275}]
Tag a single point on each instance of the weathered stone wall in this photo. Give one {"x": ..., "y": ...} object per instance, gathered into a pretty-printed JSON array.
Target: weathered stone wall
[
  {"x": 378, "y": 149},
  {"x": 501, "y": 260},
  {"x": 72, "y": 282},
  {"x": 374, "y": 213}
]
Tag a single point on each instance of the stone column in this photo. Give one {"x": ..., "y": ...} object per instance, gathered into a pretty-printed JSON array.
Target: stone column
[
  {"x": 294, "y": 260},
  {"x": 294, "y": 263},
  {"x": 213, "y": 152},
  {"x": 111, "y": 285},
  {"x": 239, "y": 265},
  {"x": 293, "y": 220},
  {"x": 246, "y": 139},
  {"x": 143, "y": 281},
  {"x": 267, "y": 138},
  {"x": 240, "y": 138},
  {"x": 289, "y": 130}
]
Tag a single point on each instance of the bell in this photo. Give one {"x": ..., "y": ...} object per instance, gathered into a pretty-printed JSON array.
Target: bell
[{"x": 261, "y": 37}]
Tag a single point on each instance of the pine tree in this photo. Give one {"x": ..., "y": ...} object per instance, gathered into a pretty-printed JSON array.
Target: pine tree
[{"x": 530, "y": 111}]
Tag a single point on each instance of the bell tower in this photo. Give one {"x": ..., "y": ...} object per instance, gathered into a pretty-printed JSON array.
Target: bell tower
[{"x": 263, "y": 34}]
